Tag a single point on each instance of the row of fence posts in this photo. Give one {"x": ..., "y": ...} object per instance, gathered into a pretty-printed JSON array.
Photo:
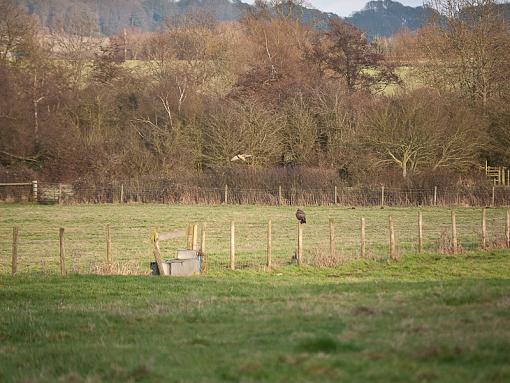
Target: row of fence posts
[
  {"x": 62, "y": 258},
  {"x": 335, "y": 193},
  {"x": 192, "y": 241},
  {"x": 383, "y": 195},
  {"x": 35, "y": 193},
  {"x": 335, "y": 196},
  {"x": 393, "y": 252}
]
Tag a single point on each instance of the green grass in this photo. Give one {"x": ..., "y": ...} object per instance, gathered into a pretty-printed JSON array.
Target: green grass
[
  {"x": 132, "y": 224},
  {"x": 421, "y": 319}
]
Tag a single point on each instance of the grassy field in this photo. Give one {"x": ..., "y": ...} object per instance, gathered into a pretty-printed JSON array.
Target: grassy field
[
  {"x": 131, "y": 226},
  {"x": 422, "y": 319}
]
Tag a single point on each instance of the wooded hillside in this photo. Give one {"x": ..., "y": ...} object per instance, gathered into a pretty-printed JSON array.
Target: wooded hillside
[{"x": 265, "y": 98}]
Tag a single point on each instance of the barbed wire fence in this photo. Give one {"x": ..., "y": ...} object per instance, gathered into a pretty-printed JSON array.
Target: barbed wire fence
[{"x": 327, "y": 242}]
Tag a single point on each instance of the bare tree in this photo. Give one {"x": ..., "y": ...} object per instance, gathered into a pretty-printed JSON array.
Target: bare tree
[
  {"x": 16, "y": 30},
  {"x": 244, "y": 132},
  {"x": 467, "y": 48},
  {"x": 75, "y": 43},
  {"x": 301, "y": 134},
  {"x": 276, "y": 68},
  {"x": 419, "y": 131},
  {"x": 499, "y": 133},
  {"x": 186, "y": 58},
  {"x": 343, "y": 52}
]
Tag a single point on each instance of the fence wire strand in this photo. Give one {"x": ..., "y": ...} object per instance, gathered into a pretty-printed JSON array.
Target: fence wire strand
[
  {"x": 132, "y": 251},
  {"x": 166, "y": 191}
]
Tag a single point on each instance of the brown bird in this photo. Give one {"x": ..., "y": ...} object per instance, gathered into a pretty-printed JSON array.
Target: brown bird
[{"x": 300, "y": 215}]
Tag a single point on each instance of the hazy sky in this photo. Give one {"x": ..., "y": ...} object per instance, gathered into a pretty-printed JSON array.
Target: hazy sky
[{"x": 346, "y": 7}]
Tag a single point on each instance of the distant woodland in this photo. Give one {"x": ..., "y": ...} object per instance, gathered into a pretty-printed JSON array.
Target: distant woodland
[{"x": 265, "y": 94}]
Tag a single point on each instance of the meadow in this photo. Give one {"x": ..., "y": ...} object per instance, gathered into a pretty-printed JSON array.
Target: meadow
[
  {"x": 132, "y": 224},
  {"x": 422, "y": 318}
]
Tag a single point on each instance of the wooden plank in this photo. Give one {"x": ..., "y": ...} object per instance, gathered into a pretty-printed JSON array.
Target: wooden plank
[
  {"x": 363, "y": 238},
  {"x": 454, "y": 233},
  {"x": 280, "y": 195},
  {"x": 484, "y": 229},
  {"x": 108, "y": 244},
  {"x": 34, "y": 191},
  {"x": 14, "y": 251},
  {"x": 63, "y": 271},
  {"x": 203, "y": 253},
  {"x": 420, "y": 232},
  {"x": 382, "y": 196},
  {"x": 435, "y": 195},
  {"x": 189, "y": 237},
  {"x": 195, "y": 237},
  {"x": 232, "y": 246},
  {"x": 300, "y": 244},
  {"x": 16, "y": 184},
  {"x": 332, "y": 244},
  {"x": 507, "y": 228},
  {"x": 60, "y": 200},
  {"x": 157, "y": 255},
  {"x": 269, "y": 244},
  {"x": 393, "y": 249}
]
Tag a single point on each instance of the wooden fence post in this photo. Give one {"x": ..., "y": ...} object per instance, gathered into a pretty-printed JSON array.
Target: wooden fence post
[
  {"x": 280, "y": 196},
  {"x": 225, "y": 196},
  {"x": 14, "y": 251},
  {"x": 203, "y": 257},
  {"x": 435, "y": 195},
  {"x": 484, "y": 228},
  {"x": 157, "y": 255},
  {"x": 194, "y": 241},
  {"x": 393, "y": 249},
  {"x": 62, "y": 253},
  {"x": 507, "y": 234},
  {"x": 493, "y": 200},
  {"x": 60, "y": 200},
  {"x": 336, "y": 195},
  {"x": 454, "y": 232},
  {"x": 108, "y": 244},
  {"x": 300, "y": 244},
  {"x": 420, "y": 232},
  {"x": 34, "y": 191},
  {"x": 189, "y": 237},
  {"x": 122, "y": 193},
  {"x": 382, "y": 196},
  {"x": 269, "y": 244},
  {"x": 232, "y": 246},
  {"x": 332, "y": 244},
  {"x": 363, "y": 239}
]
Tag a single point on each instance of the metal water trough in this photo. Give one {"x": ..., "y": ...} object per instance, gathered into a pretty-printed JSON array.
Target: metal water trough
[{"x": 186, "y": 264}]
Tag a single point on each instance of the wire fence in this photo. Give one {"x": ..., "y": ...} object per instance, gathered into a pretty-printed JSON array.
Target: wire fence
[
  {"x": 85, "y": 245},
  {"x": 165, "y": 191}
]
